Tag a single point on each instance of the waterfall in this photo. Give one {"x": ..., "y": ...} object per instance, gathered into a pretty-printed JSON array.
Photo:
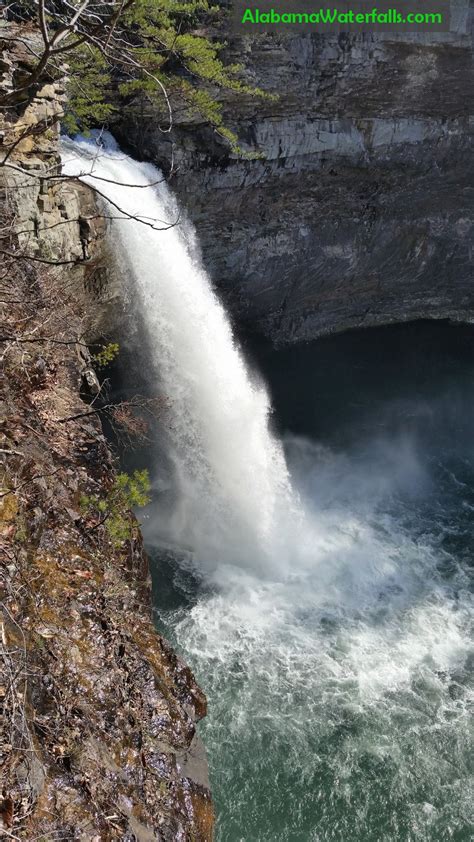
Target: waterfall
[
  {"x": 331, "y": 624},
  {"x": 233, "y": 482}
]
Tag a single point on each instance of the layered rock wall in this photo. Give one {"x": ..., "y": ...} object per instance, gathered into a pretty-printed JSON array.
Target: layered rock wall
[
  {"x": 360, "y": 211},
  {"x": 54, "y": 219}
]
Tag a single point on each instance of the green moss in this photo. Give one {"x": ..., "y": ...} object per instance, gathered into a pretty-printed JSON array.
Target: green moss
[
  {"x": 21, "y": 530},
  {"x": 8, "y": 507}
]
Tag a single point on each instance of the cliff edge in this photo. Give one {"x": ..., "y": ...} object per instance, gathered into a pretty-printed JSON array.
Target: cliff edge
[
  {"x": 98, "y": 736},
  {"x": 360, "y": 210}
]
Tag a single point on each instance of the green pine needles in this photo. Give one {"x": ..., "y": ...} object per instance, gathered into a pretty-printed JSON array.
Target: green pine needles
[
  {"x": 113, "y": 510},
  {"x": 106, "y": 355},
  {"x": 89, "y": 90},
  {"x": 123, "y": 49}
]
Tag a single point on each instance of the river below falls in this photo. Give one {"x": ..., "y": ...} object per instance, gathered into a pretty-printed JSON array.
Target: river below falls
[{"x": 340, "y": 691}]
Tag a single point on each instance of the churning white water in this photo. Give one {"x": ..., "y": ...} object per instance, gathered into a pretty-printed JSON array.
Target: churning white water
[{"x": 321, "y": 611}]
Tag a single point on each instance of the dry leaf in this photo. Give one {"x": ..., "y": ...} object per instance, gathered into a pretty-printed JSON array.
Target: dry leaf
[{"x": 6, "y": 812}]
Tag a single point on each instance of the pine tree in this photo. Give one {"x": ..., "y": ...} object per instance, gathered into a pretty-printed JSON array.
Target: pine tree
[{"x": 155, "y": 48}]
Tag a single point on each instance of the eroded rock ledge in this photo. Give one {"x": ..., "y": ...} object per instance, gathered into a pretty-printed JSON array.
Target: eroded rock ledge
[
  {"x": 360, "y": 212},
  {"x": 98, "y": 736}
]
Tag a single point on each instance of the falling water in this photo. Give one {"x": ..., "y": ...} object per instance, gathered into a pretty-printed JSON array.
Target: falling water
[
  {"x": 323, "y": 614},
  {"x": 232, "y": 477}
]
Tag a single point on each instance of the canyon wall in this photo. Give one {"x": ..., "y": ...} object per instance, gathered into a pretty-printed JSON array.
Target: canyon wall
[
  {"x": 360, "y": 210},
  {"x": 98, "y": 729}
]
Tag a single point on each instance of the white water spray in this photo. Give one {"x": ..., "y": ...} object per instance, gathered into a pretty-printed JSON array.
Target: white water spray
[{"x": 232, "y": 476}]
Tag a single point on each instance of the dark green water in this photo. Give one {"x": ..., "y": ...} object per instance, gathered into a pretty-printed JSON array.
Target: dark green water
[{"x": 340, "y": 692}]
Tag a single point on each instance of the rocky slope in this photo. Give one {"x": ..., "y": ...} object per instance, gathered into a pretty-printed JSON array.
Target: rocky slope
[
  {"x": 98, "y": 730},
  {"x": 361, "y": 210}
]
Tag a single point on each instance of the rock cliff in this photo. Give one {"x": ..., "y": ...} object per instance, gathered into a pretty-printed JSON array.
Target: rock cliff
[
  {"x": 360, "y": 211},
  {"x": 98, "y": 730}
]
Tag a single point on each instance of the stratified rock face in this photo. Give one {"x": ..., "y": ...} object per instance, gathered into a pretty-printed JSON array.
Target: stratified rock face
[
  {"x": 54, "y": 219},
  {"x": 361, "y": 211}
]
